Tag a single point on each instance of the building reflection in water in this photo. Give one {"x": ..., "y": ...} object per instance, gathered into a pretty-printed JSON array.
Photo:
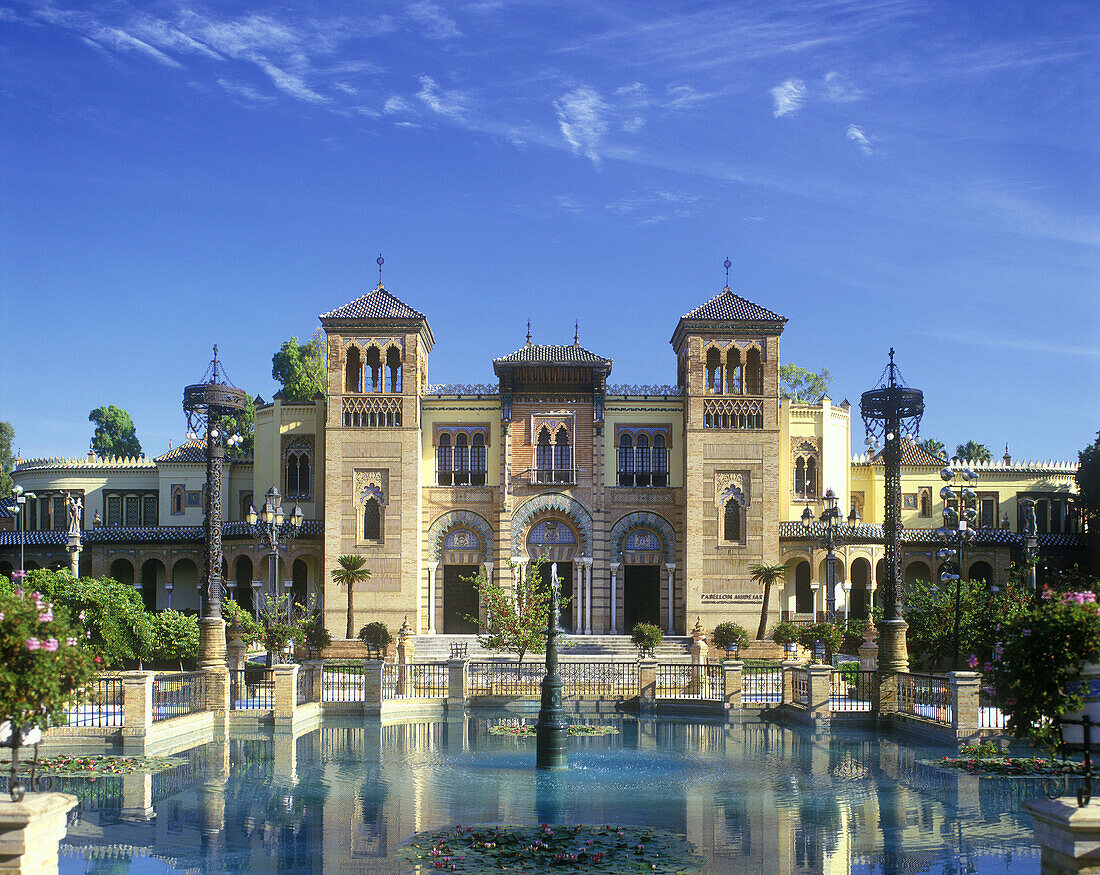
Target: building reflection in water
[{"x": 752, "y": 797}]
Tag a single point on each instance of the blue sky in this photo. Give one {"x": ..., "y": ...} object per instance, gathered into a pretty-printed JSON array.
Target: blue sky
[{"x": 920, "y": 175}]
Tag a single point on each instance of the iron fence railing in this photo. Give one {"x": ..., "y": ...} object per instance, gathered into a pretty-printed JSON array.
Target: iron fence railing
[
  {"x": 610, "y": 680},
  {"x": 800, "y": 686},
  {"x": 99, "y": 704},
  {"x": 342, "y": 682},
  {"x": 851, "y": 688},
  {"x": 761, "y": 684},
  {"x": 990, "y": 716},
  {"x": 416, "y": 680},
  {"x": 252, "y": 689},
  {"x": 178, "y": 693},
  {"x": 679, "y": 681},
  {"x": 927, "y": 696},
  {"x": 308, "y": 688},
  {"x": 505, "y": 679}
]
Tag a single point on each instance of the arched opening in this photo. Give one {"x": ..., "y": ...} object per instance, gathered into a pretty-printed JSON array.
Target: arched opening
[
  {"x": 185, "y": 592},
  {"x": 641, "y": 552},
  {"x": 242, "y": 574},
  {"x": 353, "y": 371},
  {"x": 800, "y": 476},
  {"x": 811, "y": 477},
  {"x": 544, "y": 458},
  {"x": 374, "y": 362},
  {"x": 299, "y": 588},
  {"x": 557, "y": 542},
  {"x": 462, "y": 460},
  {"x": 626, "y": 460},
  {"x": 443, "y": 466},
  {"x": 735, "y": 374},
  {"x": 925, "y": 509},
  {"x": 754, "y": 373},
  {"x": 803, "y": 595},
  {"x": 372, "y": 520},
  {"x": 477, "y": 461},
  {"x": 6, "y": 569},
  {"x": 660, "y": 461},
  {"x": 861, "y": 587},
  {"x": 714, "y": 371},
  {"x": 393, "y": 370},
  {"x": 917, "y": 571},
  {"x": 732, "y": 519},
  {"x": 152, "y": 579},
  {"x": 563, "y": 457},
  {"x": 122, "y": 570},
  {"x": 982, "y": 571},
  {"x": 32, "y": 565}
]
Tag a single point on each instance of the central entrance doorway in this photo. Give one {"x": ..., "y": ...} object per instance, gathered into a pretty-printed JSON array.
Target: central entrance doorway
[
  {"x": 641, "y": 596},
  {"x": 459, "y": 600}
]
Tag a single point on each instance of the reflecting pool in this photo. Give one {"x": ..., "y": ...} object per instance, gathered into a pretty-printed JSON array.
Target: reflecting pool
[{"x": 752, "y": 797}]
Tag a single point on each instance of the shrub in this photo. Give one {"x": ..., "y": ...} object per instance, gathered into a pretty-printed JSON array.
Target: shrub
[
  {"x": 785, "y": 633},
  {"x": 175, "y": 636},
  {"x": 377, "y": 634},
  {"x": 646, "y": 637},
  {"x": 829, "y": 634},
  {"x": 727, "y": 635},
  {"x": 316, "y": 635}
]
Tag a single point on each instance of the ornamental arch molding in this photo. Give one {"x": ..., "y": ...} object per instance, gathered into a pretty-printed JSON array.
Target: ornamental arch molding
[
  {"x": 552, "y": 502},
  {"x": 459, "y": 519},
  {"x": 642, "y": 520}
]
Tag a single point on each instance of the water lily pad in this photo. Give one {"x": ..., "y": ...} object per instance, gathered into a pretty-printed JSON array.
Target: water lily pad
[
  {"x": 527, "y": 730},
  {"x": 68, "y": 764}
]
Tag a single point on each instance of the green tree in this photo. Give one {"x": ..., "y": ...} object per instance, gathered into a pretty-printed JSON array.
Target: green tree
[
  {"x": 243, "y": 424},
  {"x": 175, "y": 636},
  {"x": 301, "y": 368},
  {"x": 7, "y": 435},
  {"x": 935, "y": 447},
  {"x": 353, "y": 569},
  {"x": 972, "y": 451},
  {"x": 768, "y": 575},
  {"x": 1088, "y": 484},
  {"x": 802, "y": 386},
  {"x": 115, "y": 434}
]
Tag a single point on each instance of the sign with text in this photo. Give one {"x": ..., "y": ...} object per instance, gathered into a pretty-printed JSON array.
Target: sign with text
[{"x": 731, "y": 598}]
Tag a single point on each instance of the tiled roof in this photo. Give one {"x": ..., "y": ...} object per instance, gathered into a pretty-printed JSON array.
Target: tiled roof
[
  {"x": 794, "y": 531},
  {"x": 913, "y": 453},
  {"x": 6, "y": 511},
  {"x": 32, "y": 539},
  {"x": 191, "y": 451},
  {"x": 236, "y": 530},
  {"x": 378, "y": 304},
  {"x": 727, "y": 305},
  {"x": 536, "y": 353}
]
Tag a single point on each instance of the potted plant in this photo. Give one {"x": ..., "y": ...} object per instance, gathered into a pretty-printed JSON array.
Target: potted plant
[
  {"x": 377, "y": 638},
  {"x": 786, "y": 633},
  {"x": 1048, "y": 666},
  {"x": 729, "y": 636},
  {"x": 822, "y": 639},
  {"x": 43, "y": 666},
  {"x": 647, "y": 638},
  {"x": 317, "y": 637}
]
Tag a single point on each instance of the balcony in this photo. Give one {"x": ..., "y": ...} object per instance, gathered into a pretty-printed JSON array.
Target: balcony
[{"x": 553, "y": 477}]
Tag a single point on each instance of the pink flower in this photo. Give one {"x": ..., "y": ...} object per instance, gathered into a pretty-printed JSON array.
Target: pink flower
[
  {"x": 973, "y": 661},
  {"x": 33, "y": 643},
  {"x": 45, "y": 617},
  {"x": 1, "y": 615},
  {"x": 71, "y": 641},
  {"x": 51, "y": 644},
  {"x": 987, "y": 667}
]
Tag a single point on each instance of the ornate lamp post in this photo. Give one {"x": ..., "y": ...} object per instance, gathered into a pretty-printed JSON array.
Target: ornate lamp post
[
  {"x": 268, "y": 526},
  {"x": 208, "y": 405},
  {"x": 551, "y": 730},
  {"x": 832, "y": 517},
  {"x": 886, "y": 410},
  {"x": 957, "y": 531},
  {"x": 20, "y": 503}
]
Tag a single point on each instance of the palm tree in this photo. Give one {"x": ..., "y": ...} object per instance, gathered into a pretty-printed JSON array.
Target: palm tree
[
  {"x": 352, "y": 570},
  {"x": 934, "y": 447},
  {"x": 767, "y": 575},
  {"x": 972, "y": 451}
]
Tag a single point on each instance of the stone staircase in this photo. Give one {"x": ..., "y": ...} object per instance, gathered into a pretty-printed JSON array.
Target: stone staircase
[{"x": 575, "y": 648}]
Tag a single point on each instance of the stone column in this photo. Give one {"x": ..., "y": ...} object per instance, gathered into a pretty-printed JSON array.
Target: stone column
[
  {"x": 457, "y": 684},
  {"x": 31, "y": 830},
  {"x": 815, "y": 588},
  {"x": 317, "y": 666},
  {"x": 372, "y": 686},
  {"x": 1068, "y": 836},
  {"x": 286, "y": 692},
  {"x": 671, "y": 566},
  {"x": 731, "y": 670},
  {"x": 586, "y": 565},
  {"x": 431, "y": 599},
  {"x": 212, "y": 642},
  {"x": 614, "y": 576},
  {"x": 820, "y": 682},
  {"x": 884, "y": 693},
  {"x": 137, "y": 704},
  {"x": 965, "y": 716},
  {"x": 217, "y": 691},
  {"x": 578, "y": 600},
  {"x": 647, "y": 685}
]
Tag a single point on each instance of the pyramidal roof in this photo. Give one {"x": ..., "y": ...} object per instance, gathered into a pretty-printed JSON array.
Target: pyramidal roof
[
  {"x": 727, "y": 305},
  {"x": 379, "y": 304},
  {"x": 552, "y": 354}
]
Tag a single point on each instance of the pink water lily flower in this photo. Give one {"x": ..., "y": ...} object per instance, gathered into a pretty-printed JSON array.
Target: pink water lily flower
[
  {"x": 33, "y": 643},
  {"x": 51, "y": 644}
]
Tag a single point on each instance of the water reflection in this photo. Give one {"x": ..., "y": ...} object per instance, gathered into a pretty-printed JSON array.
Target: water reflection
[{"x": 752, "y": 797}]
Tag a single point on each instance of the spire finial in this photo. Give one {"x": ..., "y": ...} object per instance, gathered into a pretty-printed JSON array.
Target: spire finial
[
  {"x": 528, "y": 332},
  {"x": 380, "y": 261},
  {"x": 215, "y": 363},
  {"x": 576, "y": 333},
  {"x": 726, "y": 265}
]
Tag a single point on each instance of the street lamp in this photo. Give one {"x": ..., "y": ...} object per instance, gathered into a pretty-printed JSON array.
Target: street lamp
[
  {"x": 20, "y": 501},
  {"x": 268, "y": 526},
  {"x": 957, "y": 530},
  {"x": 833, "y": 518}
]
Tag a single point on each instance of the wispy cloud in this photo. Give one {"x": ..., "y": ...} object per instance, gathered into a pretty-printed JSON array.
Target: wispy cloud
[
  {"x": 789, "y": 97},
  {"x": 452, "y": 104},
  {"x": 857, "y": 135},
  {"x": 290, "y": 83},
  {"x": 839, "y": 88},
  {"x": 1014, "y": 343},
  {"x": 240, "y": 89},
  {"x": 435, "y": 23},
  {"x": 582, "y": 118},
  {"x": 395, "y": 105},
  {"x": 650, "y": 208}
]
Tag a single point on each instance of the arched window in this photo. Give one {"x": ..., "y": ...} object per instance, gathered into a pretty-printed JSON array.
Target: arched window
[
  {"x": 393, "y": 369},
  {"x": 353, "y": 371},
  {"x": 642, "y": 478},
  {"x": 660, "y": 461},
  {"x": 563, "y": 458},
  {"x": 803, "y": 595},
  {"x": 477, "y": 460},
  {"x": 731, "y": 522},
  {"x": 462, "y": 460},
  {"x": 544, "y": 458},
  {"x": 374, "y": 362},
  {"x": 291, "y": 474},
  {"x": 754, "y": 374},
  {"x": 811, "y": 477},
  {"x": 734, "y": 372},
  {"x": 925, "y": 502},
  {"x": 714, "y": 371},
  {"x": 626, "y": 460},
  {"x": 443, "y": 475},
  {"x": 372, "y": 520},
  {"x": 800, "y": 476}
]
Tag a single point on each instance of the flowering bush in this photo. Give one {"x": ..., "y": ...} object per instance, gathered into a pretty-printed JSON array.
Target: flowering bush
[
  {"x": 43, "y": 661},
  {"x": 728, "y": 635},
  {"x": 829, "y": 634},
  {"x": 1033, "y": 672},
  {"x": 785, "y": 633}
]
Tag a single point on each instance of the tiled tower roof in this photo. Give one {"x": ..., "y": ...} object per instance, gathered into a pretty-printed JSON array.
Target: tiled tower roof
[
  {"x": 727, "y": 305},
  {"x": 378, "y": 304},
  {"x": 535, "y": 353}
]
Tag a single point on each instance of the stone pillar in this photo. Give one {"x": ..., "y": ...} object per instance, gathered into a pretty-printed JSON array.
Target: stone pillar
[
  {"x": 31, "y": 830},
  {"x": 893, "y": 653},
  {"x": 317, "y": 667},
  {"x": 698, "y": 646},
  {"x": 965, "y": 715},
  {"x": 137, "y": 797},
  {"x": 372, "y": 686},
  {"x": 212, "y": 642},
  {"x": 74, "y": 555},
  {"x": 614, "y": 578},
  {"x": 731, "y": 669},
  {"x": 671, "y": 567},
  {"x": 137, "y": 703},
  {"x": 457, "y": 684},
  {"x": 820, "y": 682},
  {"x": 586, "y": 567},
  {"x": 217, "y": 691},
  {"x": 884, "y": 693},
  {"x": 431, "y": 599},
  {"x": 647, "y": 685},
  {"x": 815, "y": 588},
  {"x": 788, "y": 666},
  {"x": 1068, "y": 836},
  {"x": 286, "y": 691}
]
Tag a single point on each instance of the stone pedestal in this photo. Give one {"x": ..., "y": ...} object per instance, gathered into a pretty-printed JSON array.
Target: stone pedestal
[
  {"x": 137, "y": 703},
  {"x": 1069, "y": 836},
  {"x": 698, "y": 646},
  {"x": 286, "y": 692},
  {"x": 787, "y": 666},
  {"x": 236, "y": 652},
  {"x": 893, "y": 652},
  {"x": 457, "y": 681},
  {"x": 372, "y": 686},
  {"x": 731, "y": 669},
  {"x": 212, "y": 642},
  {"x": 819, "y": 681},
  {"x": 30, "y": 831},
  {"x": 868, "y": 650},
  {"x": 965, "y": 709},
  {"x": 647, "y": 686}
]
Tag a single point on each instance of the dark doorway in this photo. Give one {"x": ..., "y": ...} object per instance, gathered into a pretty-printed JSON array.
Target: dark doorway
[
  {"x": 152, "y": 572},
  {"x": 641, "y": 595},
  {"x": 565, "y": 591},
  {"x": 459, "y": 600},
  {"x": 299, "y": 589}
]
